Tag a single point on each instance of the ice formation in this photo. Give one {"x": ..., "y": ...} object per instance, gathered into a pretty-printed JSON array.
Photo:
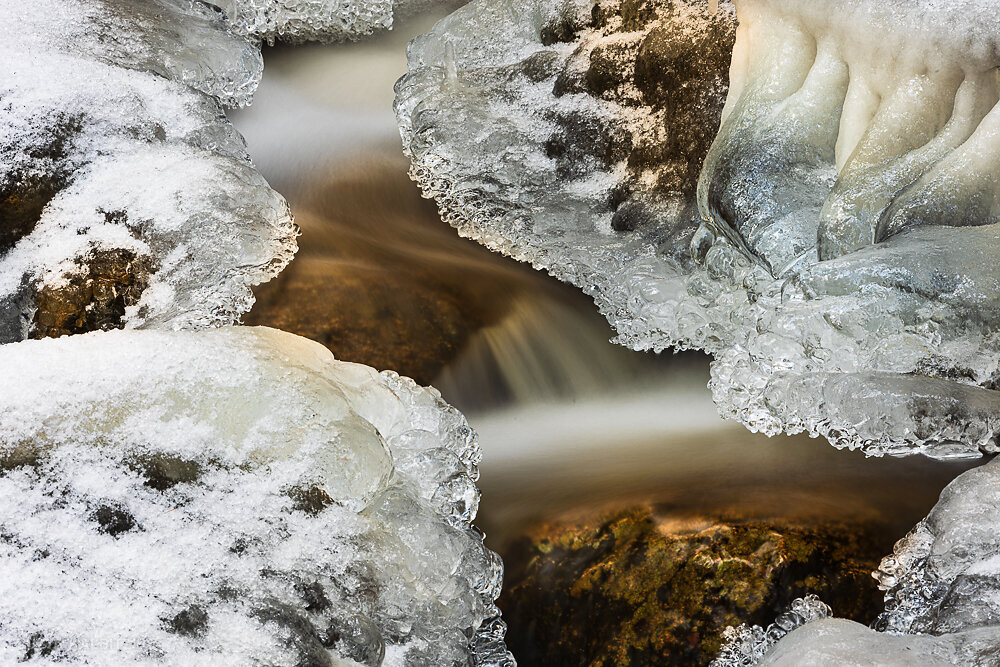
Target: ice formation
[
  {"x": 235, "y": 495},
  {"x": 941, "y": 606},
  {"x": 127, "y": 199},
  {"x": 835, "y": 247},
  {"x": 307, "y": 20}
]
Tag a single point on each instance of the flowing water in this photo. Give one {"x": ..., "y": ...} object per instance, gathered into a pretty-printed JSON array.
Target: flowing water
[{"x": 569, "y": 422}]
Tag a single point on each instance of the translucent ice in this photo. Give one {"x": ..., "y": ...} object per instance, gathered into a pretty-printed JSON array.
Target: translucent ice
[
  {"x": 235, "y": 495},
  {"x": 835, "y": 248},
  {"x": 187, "y": 41},
  {"x": 307, "y": 20},
  {"x": 126, "y": 198},
  {"x": 942, "y": 605}
]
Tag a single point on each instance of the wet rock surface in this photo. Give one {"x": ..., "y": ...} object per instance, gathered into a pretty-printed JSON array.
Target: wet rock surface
[
  {"x": 113, "y": 280},
  {"x": 644, "y": 586},
  {"x": 379, "y": 280}
]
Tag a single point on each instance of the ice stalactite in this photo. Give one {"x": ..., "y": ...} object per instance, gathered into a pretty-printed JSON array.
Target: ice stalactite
[{"x": 843, "y": 270}]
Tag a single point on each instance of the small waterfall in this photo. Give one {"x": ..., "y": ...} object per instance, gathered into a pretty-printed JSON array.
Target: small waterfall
[{"x": 544, "y": 350}]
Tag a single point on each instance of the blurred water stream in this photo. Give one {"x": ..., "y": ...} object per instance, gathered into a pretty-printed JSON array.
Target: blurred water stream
[{"x": 568, "y": 421}]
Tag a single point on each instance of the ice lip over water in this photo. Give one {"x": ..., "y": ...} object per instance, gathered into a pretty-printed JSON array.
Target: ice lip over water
[
  {"x": 235, "y": 494},
  {"x": 845, "y": 276},
  {"x": 128, "y": 200}
]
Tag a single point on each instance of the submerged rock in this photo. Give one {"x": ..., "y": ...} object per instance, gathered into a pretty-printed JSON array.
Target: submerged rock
[
  {"x": 236, "y": 495},
  {"x": 643, "y": 586},
  {"x": 845, "y": 268}
]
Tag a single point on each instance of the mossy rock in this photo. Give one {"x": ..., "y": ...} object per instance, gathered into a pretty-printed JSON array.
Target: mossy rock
[{"x": 640, "y": 587}]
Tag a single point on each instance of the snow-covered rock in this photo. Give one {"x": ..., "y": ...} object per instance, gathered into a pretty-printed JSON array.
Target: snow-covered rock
[
  {"x": 128, "y": 200},
  {"x": 235, "y": 496}
]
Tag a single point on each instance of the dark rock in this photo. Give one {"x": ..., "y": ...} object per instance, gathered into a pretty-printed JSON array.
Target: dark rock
[
  {"x": 94, "y": 300},
  {"x": 668, "y": 60},
  {"x": 301, "y": 635},
  {"x": 611, "y": 65},
  {"x": 630, "y": 216},
  {"x": 644, "y": 588},
  {"x": 39, "y": 647},
  {"x": 563, "y": 27},
  {"x": 191, "y": 622},
  {"x": 25, "y": 192},
  {"x": 311, "y": 500},
  {"x": 540, "y": 66},
  {"x": 113, "y": 520},
  {"x": 163, "y": 472}
]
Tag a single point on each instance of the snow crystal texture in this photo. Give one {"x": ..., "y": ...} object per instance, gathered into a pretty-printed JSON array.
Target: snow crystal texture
[
  {"x": 307, "y": 20},
  {"x": 235, "y": 496}
]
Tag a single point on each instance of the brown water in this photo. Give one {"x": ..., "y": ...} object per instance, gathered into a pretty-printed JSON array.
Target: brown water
[{"x": 569, "y": 422}]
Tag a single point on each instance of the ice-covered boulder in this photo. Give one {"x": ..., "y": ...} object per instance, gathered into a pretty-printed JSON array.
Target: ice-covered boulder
[
  {"x": 235, "y": 495},
  {"x": 941, "y": 606},
  {"x": 126, "y": 197},
  {"x": 838, "y": 253}
]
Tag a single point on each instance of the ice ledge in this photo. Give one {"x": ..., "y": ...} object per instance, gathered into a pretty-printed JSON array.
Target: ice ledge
[{"x": 531, "y": 146}]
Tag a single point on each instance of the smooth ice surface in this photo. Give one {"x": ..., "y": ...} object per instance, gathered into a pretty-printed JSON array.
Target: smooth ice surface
[
  {"x": 235, "y": 496},
  {"x": 845, "y": 273},
  {"x": 942, "y": 604},
  {"x": 104, "y": 161}
]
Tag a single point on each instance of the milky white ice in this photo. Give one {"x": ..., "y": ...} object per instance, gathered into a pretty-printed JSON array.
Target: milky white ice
[
  {"x": 234, "y": 496},
  {"x": 839, "y": 255}
]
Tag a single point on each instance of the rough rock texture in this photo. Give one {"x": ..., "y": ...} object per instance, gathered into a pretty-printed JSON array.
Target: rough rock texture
[
  {"x": 379, "y": 317},
  {"x": 112, "y": 281},
  {"x": 643, "y": 586},
  {"x": 380, "y": 281},
  {"x": 235, "y": 495},
  {"x": 846, "y": 268}
]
